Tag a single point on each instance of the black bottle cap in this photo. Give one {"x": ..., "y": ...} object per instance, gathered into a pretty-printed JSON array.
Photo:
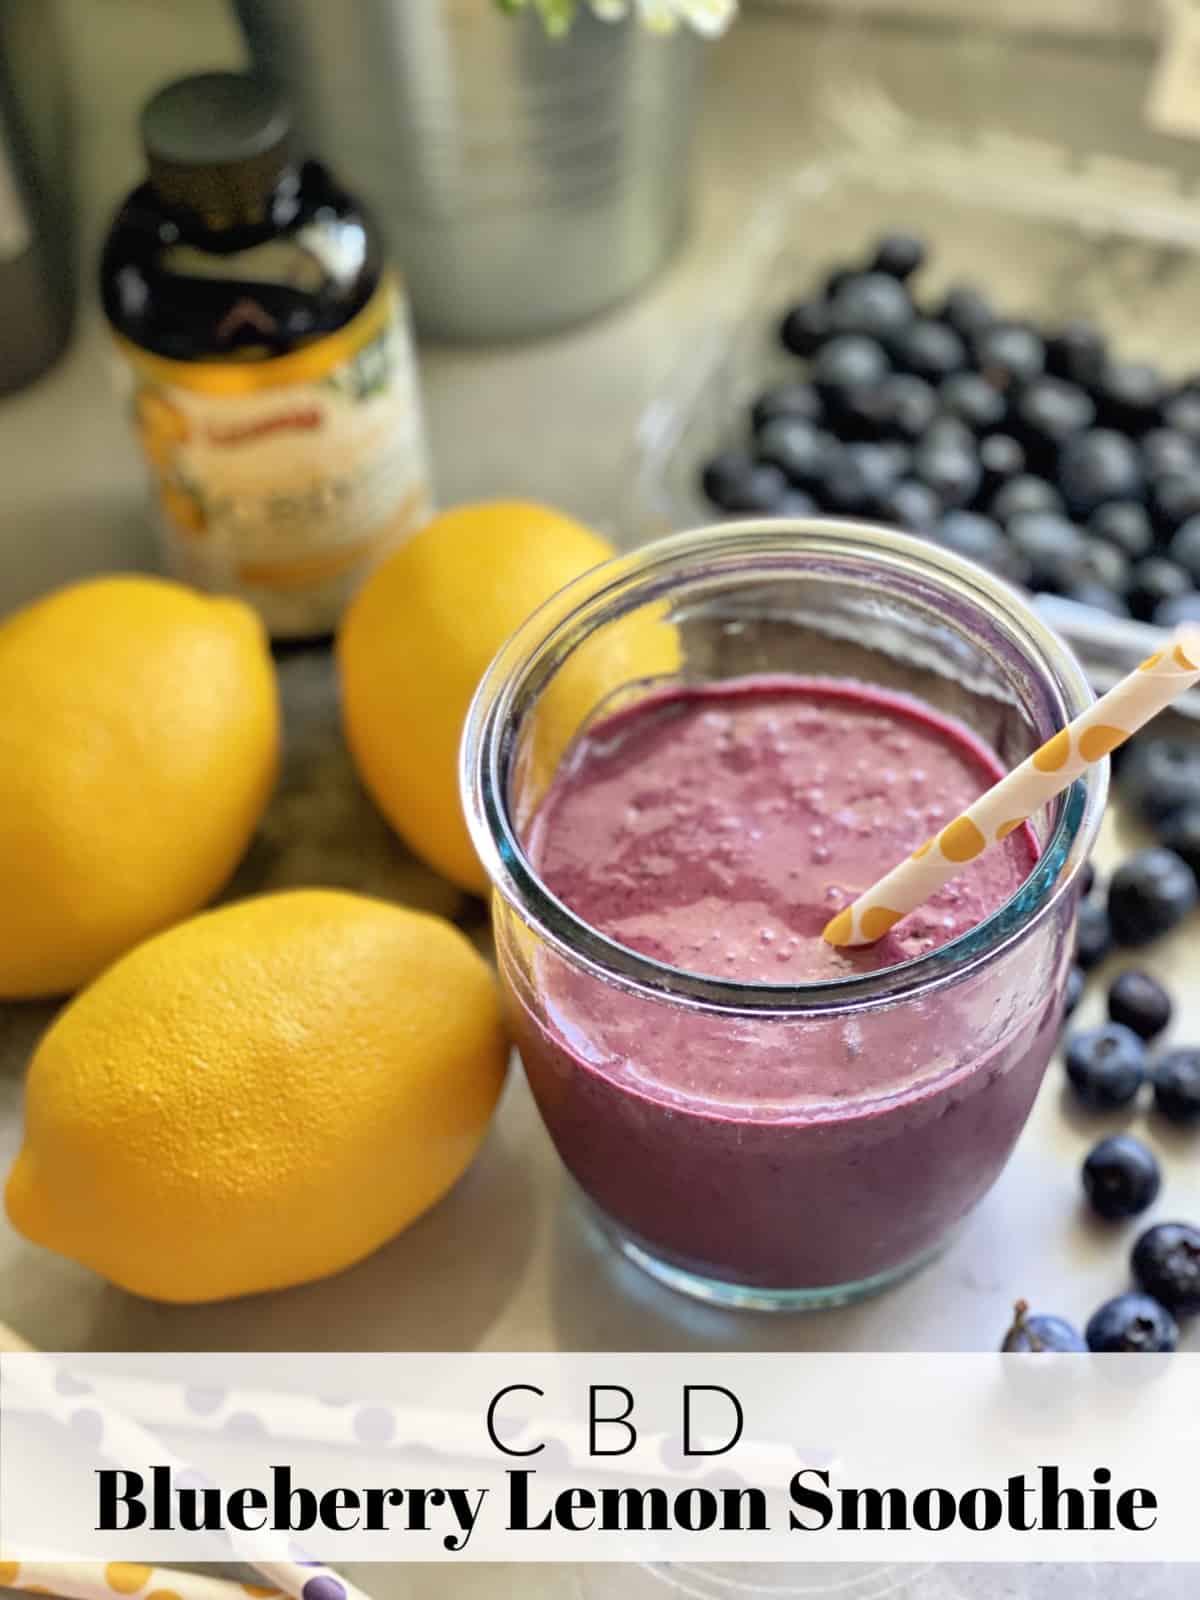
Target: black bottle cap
[{"x": 217, "y": 144}]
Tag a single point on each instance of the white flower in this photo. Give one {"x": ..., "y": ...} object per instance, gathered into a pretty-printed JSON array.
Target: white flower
[
  {"x": 709, "y": 17},
  {"x": 660, "y": 16}
]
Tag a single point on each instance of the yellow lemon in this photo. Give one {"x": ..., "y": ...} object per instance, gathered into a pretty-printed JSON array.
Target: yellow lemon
[
  {"x": 421, "y": 632},
  {"x": 139, "y": 744},
  {"x": 259, "y": 1096}
]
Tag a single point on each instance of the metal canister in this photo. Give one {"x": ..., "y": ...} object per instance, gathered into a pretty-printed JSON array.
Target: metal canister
[{"x": 524, "y": 182}]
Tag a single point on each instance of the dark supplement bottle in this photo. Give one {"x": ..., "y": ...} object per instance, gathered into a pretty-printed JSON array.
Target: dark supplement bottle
[{"x": 274, "y": 386}]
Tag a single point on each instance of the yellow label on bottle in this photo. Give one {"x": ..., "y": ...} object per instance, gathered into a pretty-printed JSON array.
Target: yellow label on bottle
[{"x": 285, "y": 480}]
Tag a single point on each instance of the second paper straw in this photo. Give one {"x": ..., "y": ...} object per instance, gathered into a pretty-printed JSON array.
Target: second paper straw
[
  {"x": 118, "y": 1580},
  {"x": 118, "y": 1437}
]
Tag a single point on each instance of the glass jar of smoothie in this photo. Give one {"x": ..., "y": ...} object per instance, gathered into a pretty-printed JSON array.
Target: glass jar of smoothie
[{"x": 756, "y": 1117}]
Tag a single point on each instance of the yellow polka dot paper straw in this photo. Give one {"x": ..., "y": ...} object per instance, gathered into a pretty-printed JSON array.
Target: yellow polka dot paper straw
[
  {"x": 118, "y": 1580},
  {"x": 1128, "y": 706},
  {"x": 32, "y": 1376}
]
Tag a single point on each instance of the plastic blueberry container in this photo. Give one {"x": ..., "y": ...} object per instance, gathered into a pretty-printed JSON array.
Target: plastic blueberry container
[{"x": 1046, "y": 234}]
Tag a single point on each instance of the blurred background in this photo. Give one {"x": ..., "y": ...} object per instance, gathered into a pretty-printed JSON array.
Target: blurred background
[{"x": 662, "y": 153}]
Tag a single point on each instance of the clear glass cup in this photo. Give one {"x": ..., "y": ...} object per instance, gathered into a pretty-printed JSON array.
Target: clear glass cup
[{"x": 772, "y": 1198}]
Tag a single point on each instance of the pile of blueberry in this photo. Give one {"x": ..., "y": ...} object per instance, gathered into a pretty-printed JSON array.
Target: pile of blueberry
[
  {"x": 1159, "y": 780},
  {"x": 1108, "y": 1068},
  {"x": 1036, "y": 452}
]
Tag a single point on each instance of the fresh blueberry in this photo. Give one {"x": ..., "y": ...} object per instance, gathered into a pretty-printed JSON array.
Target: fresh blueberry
[
  {"x": 899, "y": 453},
  {"x": 848, "y": 362},
  {"x": 967, "y": 311},
  {"x": 797, "y": 402},
  {"x": 1174, "y": 498},
  {"x": 1013, "y": 567},
  {"x": 1182, "y": 414},
  {"x": 1150, "y": 893},
  {"x": 904, "y": 405},
  {"x": 982, "y": 540},
  {"x": 1132, "y": 1323},
  {"x": 1023, "y": 495},
  {"x": 949, "y": 433},
  {"x": 1077, "y": 352},
  {"x": 1001, "y": 459},
  {"x": 1183, "y": 608},
  {"x": 1166, "y": 1263},
  {"x": 735, "y": 482},
  {"x": 911, "y": 506},
  {"x": 1140, "y": 1002},
  {"x": 880, "y": 467},
  {"x": 1166, "y": 451},
  {"x": 1049, "y": 411},
  {"x": 1097, "y": 466},
  {"x": 805, "y": 328},
  {"x": 973, "y": 400},
  {"x": 1104, "y": 564},
  {"x": 1153, "y": 582},
  {"x": 1099, "y": 580},
  {"x": 930, "y": 349},
  {"x": 1089, "y": 592},
  {"x": 798, "y": 449},
  {"x": 1125, "y": 525},
  {"x": 1010, "y": 354},
  {"x": 836, "y": 277},
  {"x": 1160, "y": 776},
  {"x": 1130, "y": 395},
  {"x": 795, "y": 503},
  {"x": 1093, "y": 935},
  {"x": 1076, "y": 983},
  {"x": 899, "y": 254},
  {"x": 1121, "y": 1178},
  {"x": 1033, "y": 1334},
  {"x": 1176, "y": 1080},
  {"x": 872, "y": 303},
  {"x": 1184, "y": 548},
  {"x": 1106, "y": 1066},
  {"x": 845, "y": 489},
  {"x": 860, "y": 414},
  {"x": 852, "y": 414},
  {"x": 952, "y": 473},
  {"x": 1181, "y": 833},
  {"x": 1053, "y": 548}
]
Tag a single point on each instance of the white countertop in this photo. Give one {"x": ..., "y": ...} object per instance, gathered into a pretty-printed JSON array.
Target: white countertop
[{"x": 505, "y": 1261}]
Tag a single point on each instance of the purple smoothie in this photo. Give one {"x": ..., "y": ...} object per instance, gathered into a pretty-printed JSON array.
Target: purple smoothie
[{"x": 717, "y": 829}]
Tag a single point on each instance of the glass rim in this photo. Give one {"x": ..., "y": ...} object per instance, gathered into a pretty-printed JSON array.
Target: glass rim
[{"x": 483, "y": 765}]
